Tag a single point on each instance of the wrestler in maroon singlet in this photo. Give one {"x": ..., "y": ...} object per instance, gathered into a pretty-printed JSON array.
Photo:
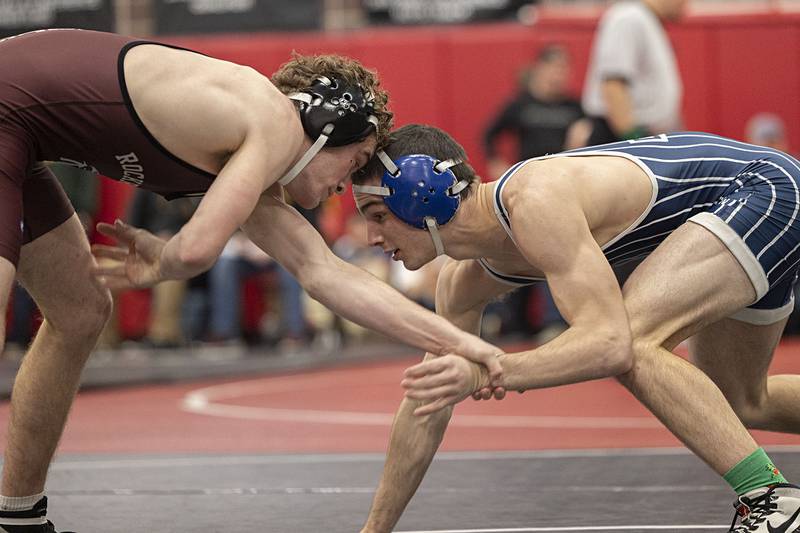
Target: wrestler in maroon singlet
[{"x": 63, "y": 98}]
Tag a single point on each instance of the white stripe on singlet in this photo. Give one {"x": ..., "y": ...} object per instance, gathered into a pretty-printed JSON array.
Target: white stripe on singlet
[
  {"x": 670, "y": 216},
  {"x": 766, "y": 214},
  {"x": 657, "y": 235},
  {"x": 741, "y": 204},
  {"x": 752, "y": 148},
  {"x": 689, "y": 180},
  {"x": 755, "y": 149},
  {"x": 693, "y": 189},
  {"x": 794, "y": 212}
]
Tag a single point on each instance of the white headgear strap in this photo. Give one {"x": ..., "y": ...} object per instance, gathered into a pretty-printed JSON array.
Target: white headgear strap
[
  {"x": 433, "y": 229},
  {"x": 308, "y": 156}
]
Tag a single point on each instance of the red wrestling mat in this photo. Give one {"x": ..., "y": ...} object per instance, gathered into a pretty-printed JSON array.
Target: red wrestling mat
[{"x": 350, "y": 410}]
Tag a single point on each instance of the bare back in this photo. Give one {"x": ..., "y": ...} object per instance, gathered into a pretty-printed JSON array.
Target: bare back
[
  {"x": 612, "y": 192},
  {"x": 198, "y": 107}
]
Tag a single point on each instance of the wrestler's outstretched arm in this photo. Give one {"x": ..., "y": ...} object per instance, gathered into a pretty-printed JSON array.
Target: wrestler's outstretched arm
[
  {"x": 144, "y": 260},
  {"x": 351, "y": 292},
  {"x": 462, "y": 292},
  {"x": 552, "y": 232}
]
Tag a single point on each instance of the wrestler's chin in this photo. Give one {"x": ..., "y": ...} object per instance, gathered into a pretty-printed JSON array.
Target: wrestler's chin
[
  {"x": 411, "y": 263},
  {"x": 307, "y": 201}
]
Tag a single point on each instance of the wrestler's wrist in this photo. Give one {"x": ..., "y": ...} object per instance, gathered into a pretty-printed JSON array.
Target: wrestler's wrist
[{"x": 480, "y": 377}]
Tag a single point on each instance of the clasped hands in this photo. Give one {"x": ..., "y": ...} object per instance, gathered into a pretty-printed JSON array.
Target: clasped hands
[{"x": 447, "y": 380}]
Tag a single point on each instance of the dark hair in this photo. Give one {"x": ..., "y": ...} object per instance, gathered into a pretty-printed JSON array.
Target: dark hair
[
  {"x": 302, "y": 70},
  {"x": 422, "y": 139},
  {"x": 550, "y": 52}
]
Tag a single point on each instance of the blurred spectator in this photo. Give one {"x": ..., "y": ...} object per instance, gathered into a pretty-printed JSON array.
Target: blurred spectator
[
  {"x": 540, "y": 117},
  {"x": 293, "y": 327},
  {"x": 633, "y": 88},
  {"x": 21, "y": 325},
  {"x": 540, "y": 114},
  {"x": 81, "y": 188},
  {"x": 767, "y": 129},
  {"x": 351, "y": 246},
  {"x": 152, "y": 212},
  {"x": 240, "y": 259},
  {"x": 418, "y": 285}
]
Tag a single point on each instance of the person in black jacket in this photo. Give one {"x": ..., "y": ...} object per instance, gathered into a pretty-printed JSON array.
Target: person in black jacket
[
  {"x": 540, "y": 114},
  {"x": 540, "y": 117}
]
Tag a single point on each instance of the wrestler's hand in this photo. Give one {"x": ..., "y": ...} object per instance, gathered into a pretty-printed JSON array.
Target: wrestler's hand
[
  {"x": 443, "y": 381},
  {"x": 133, "y": 264},
  {"x": 487, "y": 393},
  {"x": 479, "y": 351}
]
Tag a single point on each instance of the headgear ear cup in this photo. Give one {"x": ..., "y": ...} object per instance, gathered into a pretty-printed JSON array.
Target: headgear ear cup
[
  {"x": 349, "y": 108},
  {"x": 333, "y": 113}
]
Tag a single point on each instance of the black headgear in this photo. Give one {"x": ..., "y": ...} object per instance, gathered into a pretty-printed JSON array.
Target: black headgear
[
  {"x": 348, "y": 108},
  {"x": 333, "y": 113}
]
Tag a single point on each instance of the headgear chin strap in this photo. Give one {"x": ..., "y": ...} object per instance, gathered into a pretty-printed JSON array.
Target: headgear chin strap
[
  {"x": 420, "y": 190},
  {"x": 332, "y": 113}
]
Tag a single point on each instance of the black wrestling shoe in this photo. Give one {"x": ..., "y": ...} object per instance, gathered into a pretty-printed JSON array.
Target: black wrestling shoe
[
  {"x": 773, "y": 509},
  {"x": 30, "y": 521}
]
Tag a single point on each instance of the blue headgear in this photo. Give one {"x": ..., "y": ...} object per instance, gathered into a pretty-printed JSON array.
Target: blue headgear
[
  {"x": 420, "y": 190},
  {"x": 332, "y": 113}
]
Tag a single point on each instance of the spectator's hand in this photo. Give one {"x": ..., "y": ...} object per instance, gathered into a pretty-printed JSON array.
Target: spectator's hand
[
  {"x": 136, "y": 263},
  {"x": 578, "y": 134},
  {"x": 443, "y": 381}
]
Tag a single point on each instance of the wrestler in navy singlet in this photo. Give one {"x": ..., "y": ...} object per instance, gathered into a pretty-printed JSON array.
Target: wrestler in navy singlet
[{"x": 745, "y": 194}]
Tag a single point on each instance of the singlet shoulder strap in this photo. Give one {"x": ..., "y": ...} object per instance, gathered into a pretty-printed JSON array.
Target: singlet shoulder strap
[{"x": 517, "y": 281}]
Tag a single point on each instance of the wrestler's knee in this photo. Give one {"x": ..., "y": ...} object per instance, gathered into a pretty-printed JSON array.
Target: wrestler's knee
[
  {"x": 751, "y": 409},
  {"x": 85, "y": 317},
  {"x": 645, "y": 355},
  {"x": 751, "y": 415}
]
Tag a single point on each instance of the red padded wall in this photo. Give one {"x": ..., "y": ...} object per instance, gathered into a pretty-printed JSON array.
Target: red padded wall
[
  {"x": 756, "y": 71},
  {"x": 456, "y": 77}
]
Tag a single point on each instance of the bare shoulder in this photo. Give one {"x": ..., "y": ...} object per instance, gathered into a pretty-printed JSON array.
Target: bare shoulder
[
  {"x": 546, "y": 212},
  {"x": 267, "y": 117},
  {"x": 539, "y": 185},
  {"x": 262, "y": 103},
  {"x": 194, "y": 103}
]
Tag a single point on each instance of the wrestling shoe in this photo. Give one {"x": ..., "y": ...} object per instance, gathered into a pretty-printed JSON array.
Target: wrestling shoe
[
  {"x": 773, "y": 509},
  {"x": 30, "y": 521}
]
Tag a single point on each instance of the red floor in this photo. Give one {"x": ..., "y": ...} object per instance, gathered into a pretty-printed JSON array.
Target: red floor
[{"x": 350, "y": 409}]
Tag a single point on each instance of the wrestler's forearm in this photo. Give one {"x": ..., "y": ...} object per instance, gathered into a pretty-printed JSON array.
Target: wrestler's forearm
[
  {"x": 360, "y": 297},
  {"x": 576, "y": 355},
  {"x": 412, "y": 445}
]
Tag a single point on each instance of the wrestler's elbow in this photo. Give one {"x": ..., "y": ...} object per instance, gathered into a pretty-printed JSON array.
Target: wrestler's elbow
[
  {"x": 616, "y": 347},
  {"x": 196, "y": 260},
  {"x": 317, "y": 274},
  {"x": 197, "y": 255}
]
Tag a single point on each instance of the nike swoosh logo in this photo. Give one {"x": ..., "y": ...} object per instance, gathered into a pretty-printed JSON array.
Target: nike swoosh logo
[{"x": 783, "y": 528}]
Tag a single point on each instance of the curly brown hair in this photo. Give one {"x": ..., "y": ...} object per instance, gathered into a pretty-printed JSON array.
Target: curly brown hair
[{"x": 301, "y": 71}]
